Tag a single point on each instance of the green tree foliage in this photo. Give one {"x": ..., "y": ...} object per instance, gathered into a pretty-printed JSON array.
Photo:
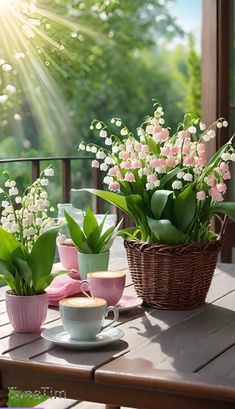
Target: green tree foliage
[{"x": 192, "y": 101}]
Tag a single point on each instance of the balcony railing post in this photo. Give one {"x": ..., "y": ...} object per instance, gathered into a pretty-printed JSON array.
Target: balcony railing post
[
  {"x": 35, "y": 169},
  {"x": 66, "y": 180}
]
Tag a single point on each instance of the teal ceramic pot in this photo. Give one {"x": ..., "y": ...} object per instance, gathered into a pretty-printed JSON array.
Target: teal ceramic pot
[{"x": 92, "y": 262}]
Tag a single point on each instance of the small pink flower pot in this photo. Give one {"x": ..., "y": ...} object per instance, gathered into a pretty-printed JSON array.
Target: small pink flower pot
[
  {"x": 68, "y": 256},
  {"x": 26, "y": 313}
]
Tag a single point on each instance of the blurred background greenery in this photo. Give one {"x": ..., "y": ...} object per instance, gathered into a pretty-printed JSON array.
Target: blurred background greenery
[{"x": 75, "y": 60}]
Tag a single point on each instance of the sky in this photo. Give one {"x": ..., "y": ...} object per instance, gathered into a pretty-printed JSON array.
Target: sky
[{"x": 188, "y": 16}]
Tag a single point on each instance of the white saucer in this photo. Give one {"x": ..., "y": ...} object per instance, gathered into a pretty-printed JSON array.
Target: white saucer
[
  {"x": 127, "y": 302},
  {"x": 60, "y": 337}
]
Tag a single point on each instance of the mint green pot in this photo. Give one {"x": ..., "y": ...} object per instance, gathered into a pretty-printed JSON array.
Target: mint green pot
[{"x": 92, "y": 262}]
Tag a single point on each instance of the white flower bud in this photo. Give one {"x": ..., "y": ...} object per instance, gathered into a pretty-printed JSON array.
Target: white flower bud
[
  {"x": 225, "y": 124},
  {"x": 124, "y": 131},
  {"x": 108, "y": 141},
  {"x": 98, "y": 125},
  {"x": 192, "y": 129},
  {"x": 177, "y": 185},
  {"x": 15, "y": 228},
  {"x": 18, "y": 199},
  {"x": 82, "y": 147},
  {"x": 104, "y": 167},
  {"x": 49, "y": 172},
  {"x": 188, "y": 177},
  {"x": 226, "y": 156},
  {"x": 118, "y": 122},
  {"x": 202, "y": 126},
  {"x": 103, "y": 133},
  {"x": 44, "y": 182}
]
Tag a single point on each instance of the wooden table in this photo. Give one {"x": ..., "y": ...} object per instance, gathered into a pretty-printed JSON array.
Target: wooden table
[{"x": 166, "y": 358}]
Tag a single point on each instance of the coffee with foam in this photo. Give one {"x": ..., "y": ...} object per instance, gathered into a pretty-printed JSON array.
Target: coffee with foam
[
  {"x": 86, "y": 302},
  {"x": 106, "y": 274}
]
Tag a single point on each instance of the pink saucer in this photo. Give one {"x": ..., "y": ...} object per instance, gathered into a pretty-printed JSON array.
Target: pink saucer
[{"x": 127, "y": 302}]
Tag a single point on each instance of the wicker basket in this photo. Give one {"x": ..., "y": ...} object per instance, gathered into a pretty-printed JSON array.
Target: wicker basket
[{"x": 172, "y": 277}]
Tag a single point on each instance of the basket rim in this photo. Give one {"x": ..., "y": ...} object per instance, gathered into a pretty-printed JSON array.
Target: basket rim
[{"x": 173, "y": 248}]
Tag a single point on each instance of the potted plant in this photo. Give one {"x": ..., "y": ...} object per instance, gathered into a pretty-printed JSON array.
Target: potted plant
[
  {"x": 92, "y": 242},
  {"x": 166, "y": 186},
  {"x": 28, "y": 243}
]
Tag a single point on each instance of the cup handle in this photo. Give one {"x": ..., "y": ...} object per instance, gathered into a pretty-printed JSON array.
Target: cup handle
[
  {"x": 82, "y": 287},
  {"x": 116, "y": 316}
]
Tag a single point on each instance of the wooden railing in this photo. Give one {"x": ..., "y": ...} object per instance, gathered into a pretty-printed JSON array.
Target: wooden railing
[{"x": 66, "y": 178}]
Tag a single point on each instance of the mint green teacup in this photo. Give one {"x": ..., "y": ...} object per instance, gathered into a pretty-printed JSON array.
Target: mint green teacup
[{"x": 83, "y": 317}]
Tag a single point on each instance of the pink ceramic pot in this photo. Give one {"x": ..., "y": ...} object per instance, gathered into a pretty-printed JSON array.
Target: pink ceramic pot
[
  {"x": 68, "y": 256},
  {"x": 26, "y": 313}
]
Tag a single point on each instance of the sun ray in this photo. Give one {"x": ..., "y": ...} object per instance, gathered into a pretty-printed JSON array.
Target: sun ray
[{"x": 26, "y": 64}]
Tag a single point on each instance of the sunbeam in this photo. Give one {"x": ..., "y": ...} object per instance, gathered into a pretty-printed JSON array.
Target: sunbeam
[{"x": 26, "y": 80}]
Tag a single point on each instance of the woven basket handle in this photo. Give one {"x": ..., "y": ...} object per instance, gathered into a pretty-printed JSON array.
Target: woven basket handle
[{"x": 223, "y": 224}]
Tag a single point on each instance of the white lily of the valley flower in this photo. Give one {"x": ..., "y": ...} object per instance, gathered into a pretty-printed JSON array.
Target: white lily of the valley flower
[{"x": 49, "y": 172}]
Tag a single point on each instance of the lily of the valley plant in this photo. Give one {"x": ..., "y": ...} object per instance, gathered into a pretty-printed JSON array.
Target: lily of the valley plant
[
  {"x": 27, "y": 236},
  {"x": 162, "y": 180}
]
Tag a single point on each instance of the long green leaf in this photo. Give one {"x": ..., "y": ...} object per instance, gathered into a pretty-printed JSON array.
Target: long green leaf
[
  {"x": 111, "y": 197},
  {"x": 166, "y": 232},
  {"x": 107, "y": 245},
  {"x": 184, "y": 208},
  {"x": 159, "y": 201},
  {"x": 41, "y": 258},
  {"x": 90, "y": 226},
  {"x": 168, "y": 177}
]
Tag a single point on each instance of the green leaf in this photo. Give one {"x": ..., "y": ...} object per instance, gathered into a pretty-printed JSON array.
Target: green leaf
[
  {"x": 166, "y": 232},
  {"x": 184, "y": 208},
  {"x": 168, "y": 177},
  {"x": 90, "y": 226},
  {"x": 159, "y": 201},
  {"x": 227, "y": 208},
  {"x": 23, "y": 270},
  {"x": 6, "y": 273},
  {"x": 111, "y": 197},
  {"x": 41, "y": 258},
  {"x": 107, "y": 245},
  {"x": 104, "y": 237},
  {"x": 153, "y": 146},
  {"x": 8, "y": 245},
  {"x": 129, "y": 232},
  {"x": 77, "y": 235}
]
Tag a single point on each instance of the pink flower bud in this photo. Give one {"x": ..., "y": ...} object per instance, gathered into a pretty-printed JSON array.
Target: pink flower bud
[
  {"x": 174, "y": 149},
  {"x": 183, "y": 134},
  {"x": 222, "y": 187},
  {"x": 165, "y": 151},
  {"x": 95, "y": 164},
  {"x": 114, "y": 186},
  {"x": 123, "y": 155},
  {"x": 170, "y": 162},
  {"x": 138, "y": 147},
  {"x": 215, "y": 194},
  {"x": 188, "y": 160},
  {"x": 129, "y": 177},
  {"x": 227, "y": 175},
  {"x": 136, "y": 164},
  {"x": 224, "y": 167},
  {"x": 212, "y": 181},
  {"x": 201, "y": 195},
  {"x": 145, "y": 148},
  {"x": 125, "y": 165}
]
